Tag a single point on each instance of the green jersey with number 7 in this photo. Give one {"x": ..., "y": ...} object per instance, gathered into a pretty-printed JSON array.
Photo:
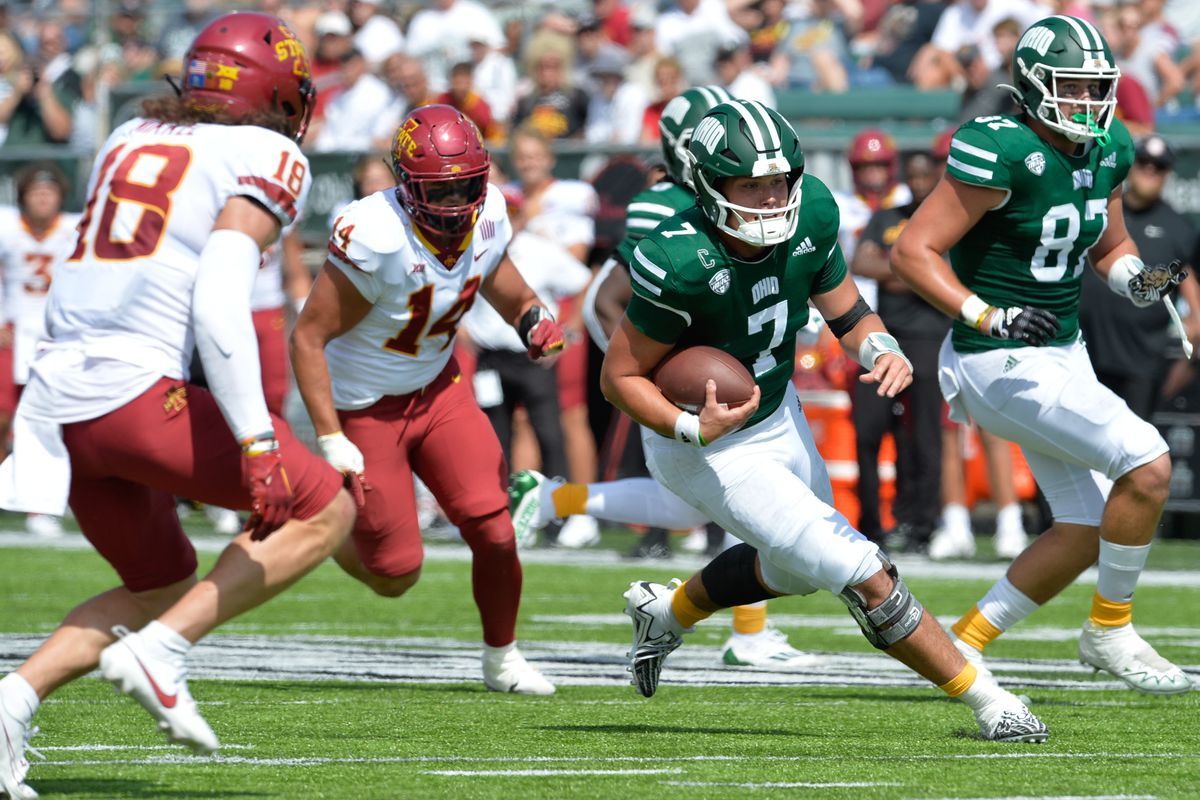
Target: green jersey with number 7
[
  {"x": 690, "y": 290},
  {"x": 1032, "y": 249}
]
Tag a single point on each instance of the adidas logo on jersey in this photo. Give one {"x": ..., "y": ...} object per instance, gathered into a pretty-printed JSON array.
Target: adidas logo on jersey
[
  {"x": 1109, "y": 160},
  {"x": 804, "y": 247}
]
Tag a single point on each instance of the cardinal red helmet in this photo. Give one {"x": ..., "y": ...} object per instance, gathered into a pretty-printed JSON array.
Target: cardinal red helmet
[
  {"x": 873, "y": 146},
  {"x": 245, "y": 62},
  {"x": 441, "y": 170}
]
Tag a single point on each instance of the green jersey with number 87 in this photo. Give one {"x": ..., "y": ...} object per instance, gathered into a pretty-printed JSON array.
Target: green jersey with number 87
[
  {"x": 688, "y": 289},
  {"x": 1032, "y": 250}
]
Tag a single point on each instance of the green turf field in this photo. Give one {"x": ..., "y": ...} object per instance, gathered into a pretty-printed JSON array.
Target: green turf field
[{"x": 331, "y": 692}]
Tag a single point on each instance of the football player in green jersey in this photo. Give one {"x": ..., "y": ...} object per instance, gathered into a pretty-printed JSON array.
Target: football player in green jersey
[
  {"x": 737, "y": 272},
  {"x": 536, "y": 499},
  {"x": 1026, "y": 201}
]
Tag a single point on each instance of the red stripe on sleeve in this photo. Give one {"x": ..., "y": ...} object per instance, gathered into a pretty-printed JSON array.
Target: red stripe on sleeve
[{"x": 274, "y": 192}]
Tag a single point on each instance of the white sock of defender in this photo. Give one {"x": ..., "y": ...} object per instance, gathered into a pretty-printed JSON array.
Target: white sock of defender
[
  {"x": 1120, "y": 567},
  {"x": 18, "y": 697},
  {"x": 1009, "y": 518},
  {"x": 1005, "y": 605}
]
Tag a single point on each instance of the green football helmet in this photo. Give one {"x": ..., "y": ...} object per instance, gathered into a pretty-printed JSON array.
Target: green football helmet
[
  {"x": 744, "y": 138},
  {"x": 1062, "y": 48},
  {"x": 675, "y": 126}
]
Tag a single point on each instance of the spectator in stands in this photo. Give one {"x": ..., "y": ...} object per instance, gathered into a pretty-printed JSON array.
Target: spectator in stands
[
  {"x": 363, "y": 116},
  {"x": 985, "y": 97},
  {"x": 495, "y": 75},
  {"x": 332, "y": 30},
  {"x": 643, "y": 58},
  {"x": 1128, "y": 345},
  {"x": 617, "y": 106},
  {"x": 178, "y": 31},
  {"x": 1144, "y": 54},
  {"x": 591, "y": 47},
  {"x": 668, "y": 83},
  {"x": 915, "y": 419},
  {"x": 906, "y": 27},
  {"x": 138, "y": 59},
  {"x": 768, "y": 29},
  {"x": 550, "y": 104},
  {"x": 462, "y": 96},
  {"x": 614, "y": 18},
  {"x": 737, "y": 74},
  {"x": 376, "y": 35},
  {"x": 964, "y": 33},
  {"x": 439, "y": 36},
  {"x": 405, "y": 76},
  {"x": 693, "y": 31},
  {"x": 45, "y": 92},
  {"x": 818, "y": 43}
]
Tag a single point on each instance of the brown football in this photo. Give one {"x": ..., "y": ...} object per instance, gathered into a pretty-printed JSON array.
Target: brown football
[{"x": 682, "y": 374}]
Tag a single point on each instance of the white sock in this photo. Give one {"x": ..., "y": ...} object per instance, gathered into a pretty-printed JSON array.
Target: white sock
[
  {"x": 956, "y": 516},
  {"x": 496, "y": 655},
  {"x": 18, "y": 697},
  {"x": 1120, "y": 567},
  {"x": 1005, "y": 605},
  {"x": 641, "y": 501},
  {"x": 169, "y": 644},
  {"x": 983, "y": 693},
  {"x": 1009, "y": 518}
]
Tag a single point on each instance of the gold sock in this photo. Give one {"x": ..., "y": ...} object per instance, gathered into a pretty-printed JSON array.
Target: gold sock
[
  {"x": 975, "y": 630},
  {"x": 751, "y": 619},
  {"x": 569, "y": 499},
  {"x": 685, "y": 611},
  {"x": 960, "y": 682},
  {"x": 1109, "y": 613}
]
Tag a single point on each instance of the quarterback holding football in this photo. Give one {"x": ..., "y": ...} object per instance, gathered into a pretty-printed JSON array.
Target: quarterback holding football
[{"x": 736, "y": 272}]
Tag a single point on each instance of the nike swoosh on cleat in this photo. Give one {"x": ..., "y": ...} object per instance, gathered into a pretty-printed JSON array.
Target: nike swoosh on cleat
[
  {"x": 480, "y": 255},
  {"x": 168, "y": 700}
]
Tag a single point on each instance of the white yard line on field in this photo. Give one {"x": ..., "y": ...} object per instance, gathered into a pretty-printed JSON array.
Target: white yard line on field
[
  {"x": 782, "y": 784},
  {"x": 544, "y": 773},
  {"x": 428, "y": 660},
  {"x": 1052, "y": 797},
  {"x": 318, "y": 761},
  {"x": 909, "y": 566}
]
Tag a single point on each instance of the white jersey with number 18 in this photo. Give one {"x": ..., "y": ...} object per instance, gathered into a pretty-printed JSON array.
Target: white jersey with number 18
[{"x": 119, "y": 315}]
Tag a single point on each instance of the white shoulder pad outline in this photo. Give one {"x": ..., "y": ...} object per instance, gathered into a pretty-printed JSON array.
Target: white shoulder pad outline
[{"x": 366, "y": 230}]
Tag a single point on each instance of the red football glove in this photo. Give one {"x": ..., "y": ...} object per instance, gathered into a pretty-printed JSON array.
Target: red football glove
[
  {"x": 541, "y": 334},
  {"x": 270, "y": 491}
]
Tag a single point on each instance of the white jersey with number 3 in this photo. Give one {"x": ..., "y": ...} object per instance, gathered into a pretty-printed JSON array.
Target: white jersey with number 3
[
  {"x": 29, "y": 264},
  {"x": 119, "y": 315},
  {"x": 407, "y": 337}
]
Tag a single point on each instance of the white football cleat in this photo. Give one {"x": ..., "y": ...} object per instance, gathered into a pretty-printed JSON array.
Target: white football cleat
[
  {"x": 696, "y": 541},
  {"x": 951, "y": 542},
  {"x": 578, "y": 532},
  {"x": 1009, "y": 542},
  {"x": 656, "y": 632},
  {"x": 531, "y": 504},
  {"x": 160, "y": 685},
  {"x": 46, "y": 526},
  {"x": 14, "y": 766},
  {"x": 506, "y": 670},
  {"x": 1121, "y": 652},
  {"x": 974, "y": 657},
  {"x": 1011, "y": 721},
  {"x": 767, "y": 650},
  {"x": 224, "y": 520}
]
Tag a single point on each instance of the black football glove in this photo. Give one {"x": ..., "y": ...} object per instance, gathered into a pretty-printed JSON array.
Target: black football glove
[{"x": 1032, "y": 326}]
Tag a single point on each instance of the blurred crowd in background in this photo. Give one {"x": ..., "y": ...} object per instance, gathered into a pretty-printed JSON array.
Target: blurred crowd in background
[
  {"x": 596, "y": 70},
  {"x": 532, "y": 74}
]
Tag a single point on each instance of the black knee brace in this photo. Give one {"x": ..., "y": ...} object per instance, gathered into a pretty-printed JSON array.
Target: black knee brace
[{"x": 731, "y": 578}]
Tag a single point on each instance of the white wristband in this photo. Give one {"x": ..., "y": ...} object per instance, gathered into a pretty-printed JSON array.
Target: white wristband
[
  {"x": 687, "y": 429},
  {"x": 1122, "y": 272},
  {"x": 973, "y": 311}
]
